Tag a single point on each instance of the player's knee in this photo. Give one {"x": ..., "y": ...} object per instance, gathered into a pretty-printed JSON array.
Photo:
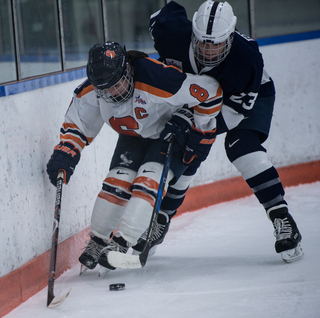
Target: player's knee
[
  {"x": 252, "y": 164},
  {"x": 182, "y": 184},
  {"x": 146, "y": 183},
  {"x": 116, "y": 188},
  {"x": 242, "y": 142}
]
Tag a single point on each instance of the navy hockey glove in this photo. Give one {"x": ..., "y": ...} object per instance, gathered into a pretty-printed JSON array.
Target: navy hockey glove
[
  {"x": 198, "y": 146},
  {"x": 65, "y": 157},
  {"x": 179, "y": 125}
]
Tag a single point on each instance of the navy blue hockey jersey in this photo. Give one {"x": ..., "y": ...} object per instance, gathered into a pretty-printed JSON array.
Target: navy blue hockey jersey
[{"x": 241, "y": 75}]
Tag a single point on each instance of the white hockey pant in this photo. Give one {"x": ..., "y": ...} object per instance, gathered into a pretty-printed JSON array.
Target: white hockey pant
[
  {"x": 137, "y": 214},
  {"x": 111, "y": 202}
]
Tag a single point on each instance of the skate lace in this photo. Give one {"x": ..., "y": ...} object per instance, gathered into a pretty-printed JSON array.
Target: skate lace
[
  {"x": 157, "y": 230},
  {"x": 283, "y": 229},
  {"x": 93, "y": 248},
  {"x": 114, "y": 246}
]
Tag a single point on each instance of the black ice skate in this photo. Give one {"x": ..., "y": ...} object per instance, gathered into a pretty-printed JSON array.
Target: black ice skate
[
  {"x": 117, "y": 244},
  {"x": 89, "y": 257},
  {"x": 287, "y": 235},
  {"x": 159, "y": 232}
]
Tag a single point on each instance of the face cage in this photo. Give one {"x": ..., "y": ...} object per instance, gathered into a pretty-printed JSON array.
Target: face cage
[
  {"x": 200, "y": 53},
  {"x": 118, "y": 94}
]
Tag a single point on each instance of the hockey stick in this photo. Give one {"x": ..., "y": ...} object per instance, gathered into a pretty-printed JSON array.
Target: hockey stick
[
  {"x": 52, "y": 300},
  {"x": 117, "y": 259},
  {"x": 166, "y": 167}
]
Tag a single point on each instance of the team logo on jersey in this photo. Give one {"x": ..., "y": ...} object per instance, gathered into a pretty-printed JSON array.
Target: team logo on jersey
[
  {"x": 111, "y": 54},
  {"x": 141, "y": 113},
  {"x": 139, "y": 100}
]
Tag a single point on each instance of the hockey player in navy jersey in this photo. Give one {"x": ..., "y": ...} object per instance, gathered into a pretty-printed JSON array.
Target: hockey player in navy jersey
[
  {"x": 135, "y": 96},
  {"x": 210, "y": 45}
]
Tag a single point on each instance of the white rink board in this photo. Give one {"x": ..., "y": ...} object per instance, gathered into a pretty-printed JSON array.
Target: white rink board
[{"x": 30, "y": 124}]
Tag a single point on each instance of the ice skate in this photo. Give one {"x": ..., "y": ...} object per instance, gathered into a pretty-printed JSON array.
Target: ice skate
[
  {"x": 287, "y": 235},
  {"x": 89, "y": 257},
  {"x": 159, "y": 232},
  {"x": 117, "y": 244}
]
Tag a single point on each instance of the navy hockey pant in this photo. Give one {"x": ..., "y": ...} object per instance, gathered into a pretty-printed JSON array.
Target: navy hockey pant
[{"x": 245, "y": 152}]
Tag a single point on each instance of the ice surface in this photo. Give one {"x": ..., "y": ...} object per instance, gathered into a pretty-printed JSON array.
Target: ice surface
[{"x": 218, "y": 262}]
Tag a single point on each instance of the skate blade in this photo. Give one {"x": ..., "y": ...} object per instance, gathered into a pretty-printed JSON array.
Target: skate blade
[
  {"x": 103, "y": 271},
  {"x": 58, "y": 300},
  {"x": 83, "y": 269},
  {"x": 292, "y": 255}
]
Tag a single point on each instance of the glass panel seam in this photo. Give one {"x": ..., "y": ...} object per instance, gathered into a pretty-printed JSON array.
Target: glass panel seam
[
  {"x": 16, "y": 39},
  {"x": 61, "y": 35}
]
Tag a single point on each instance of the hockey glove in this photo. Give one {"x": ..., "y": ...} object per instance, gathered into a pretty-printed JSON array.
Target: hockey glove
[
  {"x": 65, "y": 157},
  {"x": 198, "y": 146},
  {"x": 179, "y": 125}
]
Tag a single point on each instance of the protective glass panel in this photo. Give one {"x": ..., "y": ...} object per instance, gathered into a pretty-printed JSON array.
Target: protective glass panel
[
  {"x": 83, "y": 27},
  {"x": 240, "y": 10},
  {"x": 7, "y": 57},
  {"x": 38, "y": 37},
  {"x": 128, "y": 22},
  {"x": 292, "y": 16}
]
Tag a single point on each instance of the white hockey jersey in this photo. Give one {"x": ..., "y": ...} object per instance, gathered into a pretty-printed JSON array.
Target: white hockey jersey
[{"x": 159, "y": 91}]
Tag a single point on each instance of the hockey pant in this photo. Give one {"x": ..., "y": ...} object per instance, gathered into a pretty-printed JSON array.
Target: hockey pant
[
  {"x": 243, "y": 148},
  {"x": 126, "y": 202}
]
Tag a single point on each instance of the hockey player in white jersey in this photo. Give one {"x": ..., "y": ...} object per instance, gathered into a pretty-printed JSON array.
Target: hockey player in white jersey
[
  {"x": 210, "y": 45},
  {"x": 136, "y": 96}
]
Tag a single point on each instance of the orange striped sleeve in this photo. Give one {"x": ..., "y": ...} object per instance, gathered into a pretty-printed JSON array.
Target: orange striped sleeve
[
  {"x": 207, "y": 111},
  {"x": 219, "y": 93},
  {"x": 163, "y": 65},
  {"x": 68, "y": 137},
  {"x": 71, "y": 127},
  {"x": 152, "y": 90}
]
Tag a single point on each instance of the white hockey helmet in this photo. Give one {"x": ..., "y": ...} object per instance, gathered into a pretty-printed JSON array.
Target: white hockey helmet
[{"x": 213, "y": 28}]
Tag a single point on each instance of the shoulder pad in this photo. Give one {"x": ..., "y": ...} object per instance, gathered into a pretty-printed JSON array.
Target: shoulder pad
[{"x": 82, "y": 86}]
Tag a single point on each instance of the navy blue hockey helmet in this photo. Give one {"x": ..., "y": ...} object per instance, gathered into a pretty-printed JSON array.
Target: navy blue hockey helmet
[{"x": 106, "y": 64}]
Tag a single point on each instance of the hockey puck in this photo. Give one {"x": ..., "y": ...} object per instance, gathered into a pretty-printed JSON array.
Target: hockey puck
[{"x": 119, "y": 286}]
